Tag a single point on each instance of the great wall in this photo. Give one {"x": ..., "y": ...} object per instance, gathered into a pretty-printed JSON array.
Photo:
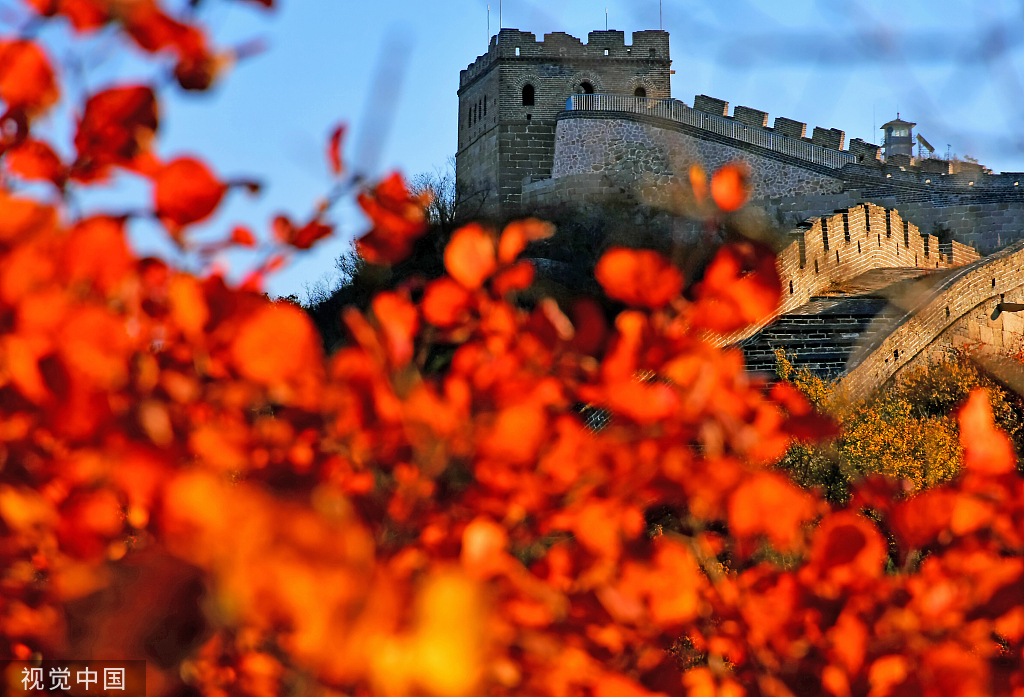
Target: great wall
[{"x": 892, "y": 259}]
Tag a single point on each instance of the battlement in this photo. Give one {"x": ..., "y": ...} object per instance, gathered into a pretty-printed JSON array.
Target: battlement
[
  {"x": 858, "y": 163},
  {"x": 826, "y": 252},
  {"x": 833, "y": 249},
  {"x": 831, "y": 138},
  {"x": 515, "y": 45}
]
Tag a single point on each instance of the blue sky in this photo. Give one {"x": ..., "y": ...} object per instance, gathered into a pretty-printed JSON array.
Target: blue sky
[{"x": 955, "y": 68}]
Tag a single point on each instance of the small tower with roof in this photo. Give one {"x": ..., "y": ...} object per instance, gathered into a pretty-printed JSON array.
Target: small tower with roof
[{"x": 899, "y": 138}]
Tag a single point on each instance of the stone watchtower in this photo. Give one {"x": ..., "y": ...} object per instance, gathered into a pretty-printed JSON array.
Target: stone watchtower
[
  {"x": 510, "y": 98},
  {"x": 899, "y": 141}
]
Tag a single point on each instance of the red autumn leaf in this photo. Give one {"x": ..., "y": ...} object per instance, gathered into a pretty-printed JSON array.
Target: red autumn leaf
[
  {"x": 520, "y": 233},
  {"x": 27, "y": 81},
  {"x": 614, "y": 685},
  {"x": 97, "y": 252},
  {"x": 638, "y": 277},
  {"x": 398, "y": 218},
  {"x": 34, "y": 159},
  {"x": 284, "y": 229},
  {"x": 674, "y": 584},
  {"x": 88, "y": 522},
  {"x": 241, "y": 235},
  {"x": 300, "y": 238},
  {"x": 876, "y": 492},
  {"x": 589, "y": 325},
  {"x": 771, "y": 505},
  {"x": 699, "y": 182},
  {"x": 275, "y": 263},
  {"x": 152, "y": 29},
  {"x": 334, "y": 149},
  {"x": 791, "y": 398},
  {"x": 951, "y": 669},
  {"x": 254, "y": 281},
  {"x": 730, "y": 186},
  {"x": 886, "y": 673},
  {"x": 848, "y": 548},
  {"x": 22, "y": 216},
  {"x": 987, "y": 450},
  {"x": 186, "y": 192},
  {"x": 918, "y": 521},
  {"x": 469, "y": 257},
  {"x": 341, "y": 502},
  {"x": 483, "y": 548},
  {"x": 116, "y": 128},
  {"x": 549, "y": 313},
  {"x": 259, "y": 352},
  {"x": 47, "y": 8},
  {"x": 849, "y": 638},
  {"x": 969, "y": 514},
  {"x": 197, "y": 70},
  {"x": 517, "y": 434},
  {"x": 310, "y": 233},
  {"x": 516, "y": 277},
  {"x": 400, "y": 322},
  {"x": 189, "y": 308},
  {"x": 741, "y": 286},
  {"x": 643, "y": 403},
  {"x": 22, "y": 357},
  {"x": 85, "y": 15},
  {"x": 445, "y": 302}
]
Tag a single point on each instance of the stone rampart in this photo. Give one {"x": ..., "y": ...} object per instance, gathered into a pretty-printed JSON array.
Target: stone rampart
[
  {"x": 831, "y": 250},
  {"x": 626, "y": 146},
  {"x": 985, "y": 219},
  {"x": 985, "y": 211},
  {"x": 954, "y": 311}
]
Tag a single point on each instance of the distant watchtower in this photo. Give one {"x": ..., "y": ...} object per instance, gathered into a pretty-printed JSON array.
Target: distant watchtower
[
  {"x": 899, "y": 138},
  {"x": 510, "y": 97}
]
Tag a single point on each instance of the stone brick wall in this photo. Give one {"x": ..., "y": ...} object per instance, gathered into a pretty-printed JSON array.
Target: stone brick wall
[
  {"x": 624, "y": 146},
  {"x": 477, "y": 169},
  {"x": 840, "y": 247},
  {"x": 959, "y": 311},
  {"x": 983, "y": 221},
  {"x": 514, "y": 142},
  {"x": 837, "y": 248},
  {"x": 575, "y": 189}
]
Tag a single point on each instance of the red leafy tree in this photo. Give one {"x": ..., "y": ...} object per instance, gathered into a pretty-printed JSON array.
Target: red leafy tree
[{"x": 187, "y": 479}]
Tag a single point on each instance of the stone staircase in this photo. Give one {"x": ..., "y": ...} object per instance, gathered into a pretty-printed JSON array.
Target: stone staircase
[{"x": 823, "y": 334}]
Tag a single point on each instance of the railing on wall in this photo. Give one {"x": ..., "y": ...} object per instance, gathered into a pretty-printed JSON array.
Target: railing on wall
[{"x": 675, "y": 110}]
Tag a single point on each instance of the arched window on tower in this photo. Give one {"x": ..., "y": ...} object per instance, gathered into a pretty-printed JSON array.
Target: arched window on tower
[
  {"x": 586, "y": 88},
  {"x": 639, "y": 92},
  {"x": 527, "y": 95}
]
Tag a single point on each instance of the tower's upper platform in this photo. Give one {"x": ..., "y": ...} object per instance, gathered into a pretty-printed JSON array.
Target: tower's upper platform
[{"x": 512, "y": 45}]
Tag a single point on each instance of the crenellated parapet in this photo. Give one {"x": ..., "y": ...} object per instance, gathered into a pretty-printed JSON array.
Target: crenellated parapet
[
  {"x": 833, "y": 249},
  {"x": 831, "y": 138},
  {"x": 828, "y": 251},
  {"x": 602, "y": 46}
]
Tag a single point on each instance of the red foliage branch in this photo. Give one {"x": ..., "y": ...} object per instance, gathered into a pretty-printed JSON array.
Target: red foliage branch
[{"x": 185, "y": 477}]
